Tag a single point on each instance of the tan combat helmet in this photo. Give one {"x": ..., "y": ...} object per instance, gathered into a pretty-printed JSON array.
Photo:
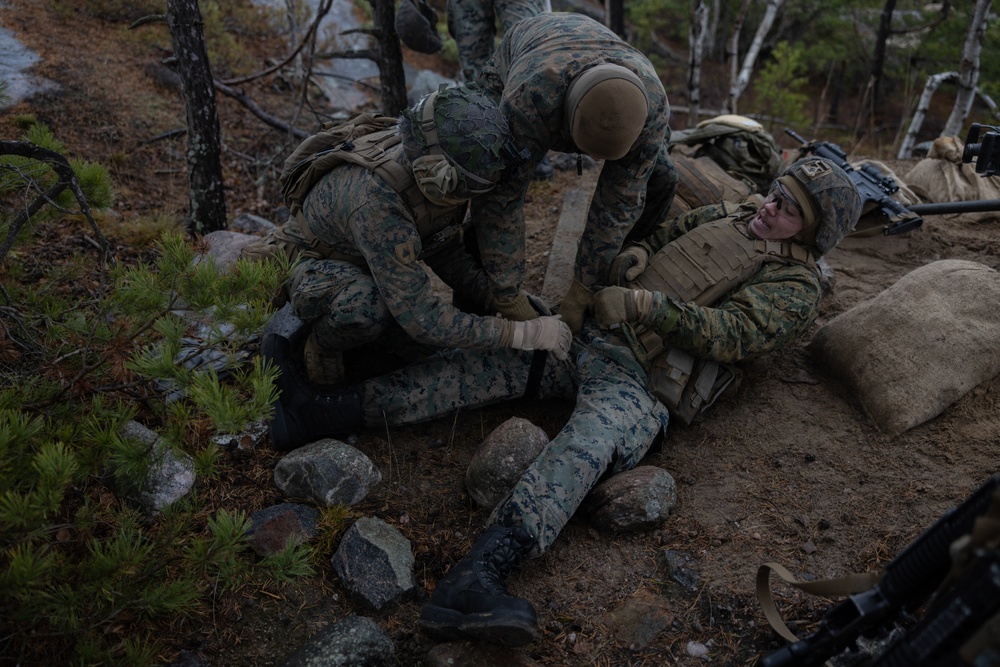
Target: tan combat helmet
[{"x": 606, "y": 108}]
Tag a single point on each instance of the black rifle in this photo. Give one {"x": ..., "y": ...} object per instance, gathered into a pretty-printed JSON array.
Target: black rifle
[
  {"x": 909, "y": 581},
  {"x": 960, "y": 627},
  {"x": 873, "y": 185}
]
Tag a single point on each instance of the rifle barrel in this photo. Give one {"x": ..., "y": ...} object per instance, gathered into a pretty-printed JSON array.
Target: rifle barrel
[{"x": 976, "y": 206}]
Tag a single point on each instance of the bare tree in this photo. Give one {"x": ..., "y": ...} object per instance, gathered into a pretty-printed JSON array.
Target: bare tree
[
  {"x": 614, "y": 10},
  {"x": 696, "y": 47},
  {"x": 739, "y": 85},
  {"x": 389, "y": 58},
  {"x": 871, "y": 97},
  {"x": 66, "y": 179},
  {"x": 733, "y": 52},
  {"x": 968, "y": 70},
  {"x": 207, "y": 211}
]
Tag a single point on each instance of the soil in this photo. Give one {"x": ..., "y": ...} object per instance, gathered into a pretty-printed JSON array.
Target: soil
[{"x": 788, "y": 470}]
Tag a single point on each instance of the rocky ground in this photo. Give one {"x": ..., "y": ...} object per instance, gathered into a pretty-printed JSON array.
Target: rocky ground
[{"x": 788, "y": 470}]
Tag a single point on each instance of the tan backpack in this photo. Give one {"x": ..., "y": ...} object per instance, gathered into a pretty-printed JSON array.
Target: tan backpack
[{"x": 353, "y": 140}]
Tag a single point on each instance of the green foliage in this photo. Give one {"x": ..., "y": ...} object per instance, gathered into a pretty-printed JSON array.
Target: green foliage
[
  {"x": 215, "y": 556},
  {"x": 778, "y": 87},
  {"x": 78, "y": 565},
  {"x": 292, "y": 562},
  {"x": 666, "y": 18},
  {"x": 26, "y": 177}
]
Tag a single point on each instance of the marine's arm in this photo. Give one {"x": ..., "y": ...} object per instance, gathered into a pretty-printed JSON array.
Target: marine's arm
[
  {"x": 385, "y": 235},
  {"x": 773, "y": 308}
]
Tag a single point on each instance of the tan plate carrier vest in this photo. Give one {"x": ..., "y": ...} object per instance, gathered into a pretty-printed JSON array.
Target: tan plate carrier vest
[
  {"x": 378, "y": 152},
  {"x": 703, "y": 266}
]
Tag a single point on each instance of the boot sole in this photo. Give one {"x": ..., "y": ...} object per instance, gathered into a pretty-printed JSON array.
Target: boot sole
[{"x": 447, "y": 624}]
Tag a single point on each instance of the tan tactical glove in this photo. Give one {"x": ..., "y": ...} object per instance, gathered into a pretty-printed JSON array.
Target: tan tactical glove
[
  {"x": 576, "y": 302},
  {"x": 517, "y": 309},
  {"x": 542, "y": 333},
  {"x": 617, "y": 305},
  {"x": 629, "y": 263}
]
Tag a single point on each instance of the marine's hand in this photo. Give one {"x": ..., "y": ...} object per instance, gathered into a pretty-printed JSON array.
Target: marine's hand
[
  {"x": 616, "y": 305},
  {"x": 518, "y": 309},
  {"x": 575, "y": 304},
  {"x": 543, "y": 333},
  {"x": 629, "y": 263}
]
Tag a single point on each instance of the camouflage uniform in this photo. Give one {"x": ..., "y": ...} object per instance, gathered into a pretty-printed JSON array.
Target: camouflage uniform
[
  {"x": 372, "y": 218},
  {"x": 615, "y": 419},
  {"x": 529, "y": 75},
  {"x": 355, "y": 212},
  {"x": 473, "y": 24}
]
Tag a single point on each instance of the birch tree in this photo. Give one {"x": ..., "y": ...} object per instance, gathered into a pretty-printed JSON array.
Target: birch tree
[
  {"x": 733, "y": 53},
  {"x": 696, "y": 48},
  {"x": 739, "y": 85},
  {"x": 968, "y": 70}
]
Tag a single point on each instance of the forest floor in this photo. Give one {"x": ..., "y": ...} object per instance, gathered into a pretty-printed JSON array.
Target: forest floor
[{"x": 788, "y": 470}]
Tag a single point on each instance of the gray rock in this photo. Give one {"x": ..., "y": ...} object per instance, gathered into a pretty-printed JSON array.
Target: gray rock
[
  {"x": 248, "y": 223},
  {"x": 354, "y": 641},
  {"x": 16, "y": 61},
  {"x": 637, "y": 499},
  {"x": 284, "y": 322},
  {"x": 225, "y": 246},
  {"x": 425, "y": 82},
  {"x": 676, "y": 565},
  {"x": 272, "y": 528},
  {"x": 375, "y": 562},
  {"x": 504, "y": 455},
  {"x": 169, "y": 478},
  {"x": 328, "y": 471}
]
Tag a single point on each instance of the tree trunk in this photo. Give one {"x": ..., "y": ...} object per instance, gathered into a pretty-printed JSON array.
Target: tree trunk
[
  {"x": 696, "y": 46},
  {"x": 968, "y": 71},
  {"x": 735, "y": 91},
  {"x": 906, "y": 148},
  {"x": 733, "y": 55},
  {"x": 878, "y": 58},
  {"x": 208, "y": 202},
  {"x": 614, "y": 10},
  {"x": 390, "y": 58}
]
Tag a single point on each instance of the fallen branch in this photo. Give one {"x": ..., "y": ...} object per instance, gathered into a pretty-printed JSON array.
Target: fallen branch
[{"x": 66, "y": 179}]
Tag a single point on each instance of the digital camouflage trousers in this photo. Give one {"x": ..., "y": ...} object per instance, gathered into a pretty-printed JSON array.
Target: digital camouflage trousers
[{"x": 612, "y": 426}]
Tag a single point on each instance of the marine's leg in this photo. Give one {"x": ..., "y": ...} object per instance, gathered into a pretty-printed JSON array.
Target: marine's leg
[
  {"x": 341, "y": 304},
  {"x": 510, "y": 12},
  {"x": 611, "y": 428},
  {"x": 453, "y": 379},
  {"x": 473, "y": 25},
  {"x": 659, "y": 195},
  {"x": 613, "y": 424}
]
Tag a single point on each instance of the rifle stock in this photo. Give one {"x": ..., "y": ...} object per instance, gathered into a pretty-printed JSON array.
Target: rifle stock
[{"x": 910, "y": 579}]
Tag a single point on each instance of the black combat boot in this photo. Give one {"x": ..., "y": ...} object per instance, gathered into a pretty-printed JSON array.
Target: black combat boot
[
  {"x": 470, "y": 602},
  {"x": 305, "y": 413}
]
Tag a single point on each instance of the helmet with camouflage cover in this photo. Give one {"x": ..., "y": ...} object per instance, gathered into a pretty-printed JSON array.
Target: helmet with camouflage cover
[
  {"x": 829, "y": 199},
  {"x": 463, "y": 126}
]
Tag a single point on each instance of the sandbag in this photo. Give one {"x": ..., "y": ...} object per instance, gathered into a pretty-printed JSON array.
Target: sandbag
[
  {"x": 919, "y": 346},
  {"x": 942, "y": 177}
]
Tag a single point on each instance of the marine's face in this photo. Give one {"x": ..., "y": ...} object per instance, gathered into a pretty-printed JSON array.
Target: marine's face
[{"x": 779, "y": 218}]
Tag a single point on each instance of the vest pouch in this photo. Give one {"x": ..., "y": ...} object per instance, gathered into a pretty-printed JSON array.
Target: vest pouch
[{"x": 688, "y": 386}]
